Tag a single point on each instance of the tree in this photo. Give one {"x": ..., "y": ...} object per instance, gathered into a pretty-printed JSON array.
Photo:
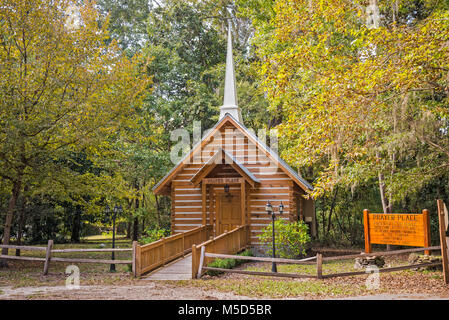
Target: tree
[
  {"x": 63, "y": 90},
  {"x": 128, "y": 22},
  {"x": 360, "y": 100}
]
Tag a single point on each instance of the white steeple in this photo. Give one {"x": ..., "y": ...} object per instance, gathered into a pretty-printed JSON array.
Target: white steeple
[{"x": 230, "y": 93}]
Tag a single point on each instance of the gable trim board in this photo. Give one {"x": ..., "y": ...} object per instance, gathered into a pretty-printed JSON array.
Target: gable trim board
[
  {"x": 273, "y": 156},
  {"x": 221, "y": 155}
]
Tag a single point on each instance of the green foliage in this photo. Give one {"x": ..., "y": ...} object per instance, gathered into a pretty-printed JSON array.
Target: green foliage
[
  {"x": 228, "y": 263},
  {"x": 62, "y": 100},
  {"x": 291, "y": 238},
  {"x": 76, "y": 138},
  {"x": 154, "y": 234},
  {"x": 356, "y": 101},
  {"x": 127, "y": 21}
]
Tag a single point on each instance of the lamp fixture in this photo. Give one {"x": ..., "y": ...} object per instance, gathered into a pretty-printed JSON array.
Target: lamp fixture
[{"x": 269, "y": 207}]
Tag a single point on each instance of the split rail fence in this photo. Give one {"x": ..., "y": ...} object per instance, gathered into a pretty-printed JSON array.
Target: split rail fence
[
  {"x": 49, "y": 258},
  {"x": 317, "y": 260}
]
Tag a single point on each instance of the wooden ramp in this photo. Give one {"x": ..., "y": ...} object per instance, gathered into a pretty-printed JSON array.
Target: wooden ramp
[{"x": 178, "y": 270}]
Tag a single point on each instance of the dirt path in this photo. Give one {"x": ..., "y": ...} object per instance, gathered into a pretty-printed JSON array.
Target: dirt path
[
  {"x": 157, "y": 290},
  {"x": 153, "y": 290},
  {"x": 410, "y": 296}
]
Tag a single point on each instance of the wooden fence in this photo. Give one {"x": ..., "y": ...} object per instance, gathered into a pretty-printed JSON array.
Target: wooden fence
[
  {"x": 49, "y": 250},
  {"x": 229, "y": 242},
  {"x": 319, "y": 261},
  {"x": 261, "y": 259},
  {"x": 156, "y": 254}
]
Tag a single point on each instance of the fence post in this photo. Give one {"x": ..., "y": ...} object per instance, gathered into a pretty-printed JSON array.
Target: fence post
[
  {"x": 48, "y": 256},
  {"x": 163, "y": 251},
  {"x": 138, "y": 260},
  {"x": 319, "y": 265},
  {"x": 443, "y": 240},
  {"x": 183, "y": 244},
  {"x": 194, "y": 262},
  {"x": 426, "y": 225},
  {"x": 240, "y": 239},
  {"x": 200, "y": 268},
  {"x": 366, "y": 228},
  {"x": 134, "y": 256}
]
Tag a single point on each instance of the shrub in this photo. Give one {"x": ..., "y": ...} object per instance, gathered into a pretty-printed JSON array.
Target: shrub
[
  {"x": 154, "y": 234},
  {"x": 291, "y": 238},
  {"x": 227, "y": 263}
]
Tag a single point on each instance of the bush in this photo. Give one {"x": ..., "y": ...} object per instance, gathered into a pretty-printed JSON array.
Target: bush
[
  {"x": 291, "y": 238},
  {"x": 227, "y": 263},
  {"x": 154, "y": 234}
]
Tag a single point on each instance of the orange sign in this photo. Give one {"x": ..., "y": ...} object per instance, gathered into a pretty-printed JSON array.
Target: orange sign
[{"x": 406, "y": 229}]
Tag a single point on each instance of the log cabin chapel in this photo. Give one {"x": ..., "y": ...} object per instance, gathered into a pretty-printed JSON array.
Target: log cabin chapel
[{"x": 229, "y": 176}]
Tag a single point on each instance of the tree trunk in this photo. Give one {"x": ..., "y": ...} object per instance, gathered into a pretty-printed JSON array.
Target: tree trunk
[
  {"x": 329, "y": 221},
  {"x": 158, "y": 213},
  {"x": 9, "y": 216},
  {"x": 136, "y": 229},
  {"x": 128, "y": 230},
  {"x": 386, "y": 204},
  {"x": 136, "y": 224},
  {"x": 323, "y": 221},
  {"x": 21, "y": 221},
  {"x": 76, "y": 225}
]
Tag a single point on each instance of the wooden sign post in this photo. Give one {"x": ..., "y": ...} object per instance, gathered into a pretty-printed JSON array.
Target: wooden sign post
[
  {"x": 443, "y": 222},
  {"x": 404, "y": 229}
]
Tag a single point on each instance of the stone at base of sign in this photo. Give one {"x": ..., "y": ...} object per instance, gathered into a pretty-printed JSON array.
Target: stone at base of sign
[
  {"x": 363, "y": 263},
  {"x": 416, "y": 258}
]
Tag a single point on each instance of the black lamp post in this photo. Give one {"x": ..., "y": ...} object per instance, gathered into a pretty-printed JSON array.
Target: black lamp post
[
  {"x": 117, "y": 209},
  {"x": 269, "y": 209}
]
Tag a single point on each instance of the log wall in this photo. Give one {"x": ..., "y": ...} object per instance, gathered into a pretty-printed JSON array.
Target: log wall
[{"x": 275, "y": 185}]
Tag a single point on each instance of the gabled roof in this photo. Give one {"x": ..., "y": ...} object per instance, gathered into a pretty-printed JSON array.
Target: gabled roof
[
  {"x": 217, "y": 159},
  {"x": 251, "y": 136}
]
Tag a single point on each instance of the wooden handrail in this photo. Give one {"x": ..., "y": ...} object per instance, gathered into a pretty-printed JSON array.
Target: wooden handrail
[
  {"x": 156, "y": 254},
  {"x": 229, "y": 242}
]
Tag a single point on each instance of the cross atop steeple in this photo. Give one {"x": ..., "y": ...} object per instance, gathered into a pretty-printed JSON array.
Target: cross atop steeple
[{"x": 230, "y": 93}]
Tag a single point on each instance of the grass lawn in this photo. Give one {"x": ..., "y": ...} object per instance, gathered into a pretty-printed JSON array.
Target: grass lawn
[
  {"x": 329, "y": 267},
  {"x": 399, "y": 282},
  {"x": 275, "y": 288},
  {"x": 104, "y": 238}
]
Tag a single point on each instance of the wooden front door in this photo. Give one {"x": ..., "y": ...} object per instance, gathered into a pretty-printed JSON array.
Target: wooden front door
[{"x": 228, "y": 212}]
